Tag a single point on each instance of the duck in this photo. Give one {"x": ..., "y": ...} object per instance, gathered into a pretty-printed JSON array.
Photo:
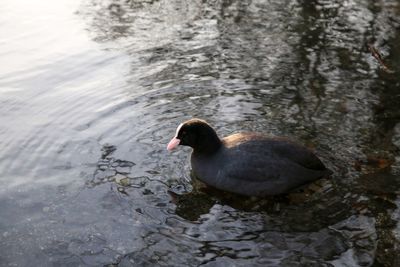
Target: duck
[{"x": 247, "y": 163}]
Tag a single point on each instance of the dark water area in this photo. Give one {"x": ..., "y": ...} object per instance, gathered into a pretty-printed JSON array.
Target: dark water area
[{"x": 92, "y": 91}]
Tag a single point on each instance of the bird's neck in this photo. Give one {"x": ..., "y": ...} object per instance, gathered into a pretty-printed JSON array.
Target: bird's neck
[{"x": 208, "y": 145}]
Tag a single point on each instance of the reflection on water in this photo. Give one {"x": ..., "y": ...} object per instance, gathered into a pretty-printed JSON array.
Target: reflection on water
[{"x": 93, "y": 90}]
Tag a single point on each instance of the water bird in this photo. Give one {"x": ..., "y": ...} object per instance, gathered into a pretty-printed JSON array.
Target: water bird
[{"x": 250, "y": 164}]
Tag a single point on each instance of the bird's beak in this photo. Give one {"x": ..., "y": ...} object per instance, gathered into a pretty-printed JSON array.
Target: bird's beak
[{"x": 173, "y": 143}]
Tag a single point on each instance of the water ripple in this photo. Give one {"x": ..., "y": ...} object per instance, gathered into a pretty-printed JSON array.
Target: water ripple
[{"x": 92, "y": 91}]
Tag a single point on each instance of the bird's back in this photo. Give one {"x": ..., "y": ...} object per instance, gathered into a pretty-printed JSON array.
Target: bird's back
[{"x": 252, "y": 164}]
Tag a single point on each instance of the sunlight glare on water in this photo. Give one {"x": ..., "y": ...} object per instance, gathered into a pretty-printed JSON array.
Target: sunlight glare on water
[{"x": 54, "y": 75}]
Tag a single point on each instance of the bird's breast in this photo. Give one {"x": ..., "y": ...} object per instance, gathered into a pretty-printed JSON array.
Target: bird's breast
[{"x": 207, "y": 168}]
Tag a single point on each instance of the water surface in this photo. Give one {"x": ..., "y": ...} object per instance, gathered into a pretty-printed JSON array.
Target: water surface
[{"x": 92, "y": 91}]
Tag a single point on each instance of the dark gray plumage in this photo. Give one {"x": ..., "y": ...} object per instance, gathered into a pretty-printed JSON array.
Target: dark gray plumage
[{"x": 247, "y": 163}]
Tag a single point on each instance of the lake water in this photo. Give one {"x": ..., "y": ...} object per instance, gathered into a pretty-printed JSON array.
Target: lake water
[{"x": 92, "y": 91}]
